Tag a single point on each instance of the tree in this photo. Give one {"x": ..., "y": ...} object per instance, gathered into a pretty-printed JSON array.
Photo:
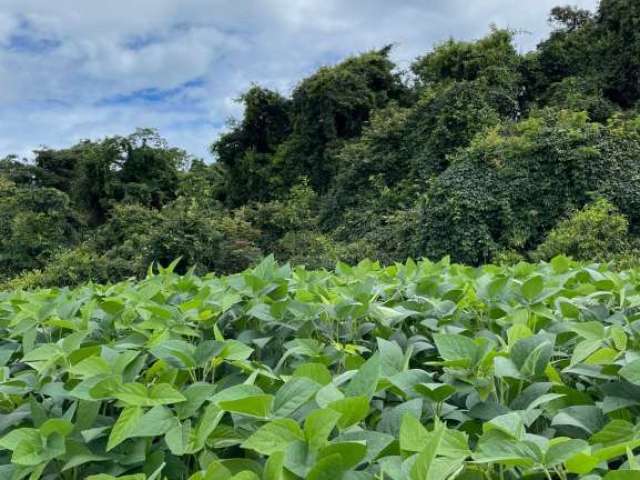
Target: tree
[
  {"x": 515, "y": 182},
  {"x": 492, "y": 62},
  {"x": 35, "y": 223},
  {"x": 618, "y": 39},
  {"x": 603, "y": 48},
  {"x": 279, "y": 141},
  {"x": 246, "y": 150}
]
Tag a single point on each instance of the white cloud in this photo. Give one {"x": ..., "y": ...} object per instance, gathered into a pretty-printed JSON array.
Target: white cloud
[{"x": 67, "y": 66}]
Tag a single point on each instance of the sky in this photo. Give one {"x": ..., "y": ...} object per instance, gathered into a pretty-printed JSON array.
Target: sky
[{"x": 78, "y": 69}]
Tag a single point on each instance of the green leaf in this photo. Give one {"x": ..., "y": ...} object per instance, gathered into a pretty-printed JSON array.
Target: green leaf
[
  {"x": 274, "y": 436},
  {"x": 391, "y": 357},
  {"x": 256, "y": 406},
  {"x": 365, "y": 381},
  {"x": 350, "y": 453},
  {"x": 319, "y": 425},
  {"x": 124, "y": 427},
  {"x": 619, "y": 337},
  {"x": 562, "y": 449},
  {"x": 593, "y": 331},
  {"x": 583, "y": 350},
  {"x": 177, "y": 353},
  {"x": 631, "y": 372},
  {"x": 235, "y": 350},
  {"x": 352, "y": 410},
  {"x": 413, "y": 435},
  {"x": 78, "y": 454},
  {"x": 588, "y": 418},
  {"x": 274, "y": 467},
  {"x": 615, "y": 431},
  {"x": 422, "y": 467},
  {"x": 510, "y": 424},
  {"x": 135, "y": 394},
  {"x": 154, "y": 423},
  {"x": 178, "y": 438},
  {"x": 293, "y": 395},
  {"x": 90, "y": 367},
  {"x": 56, "y": 425},
  {"x": 532, "y": 354},
  {"x": 327, "y": 468},
  {"x": 621, "y": 475},
  {"x": 456, "y": 348},
  {"x": 11, "y": 440},
  {"x": 196, "y": 395},
  {"x": 533, "y": 287},
  {"x": 437, "y": 392},
  {"x": 317, "y": 372},
  {"x": 496, "y": 447},
  {"x": 206, "y": 425},
  {"x": 581, "y": 463}
]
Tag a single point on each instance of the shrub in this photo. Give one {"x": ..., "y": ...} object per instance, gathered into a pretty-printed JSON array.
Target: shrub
[{"x": 596, "y": 232}]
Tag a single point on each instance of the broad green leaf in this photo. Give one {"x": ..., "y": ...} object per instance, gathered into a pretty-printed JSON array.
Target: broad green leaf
[
  {"x": 273, "y": 468},
  {"x": 156, "y": 422},
  {"x": 317, "y": 372},
  {"x": 510, "y": 424},
  {"x": 293, "y": 395},
  {"x": 391, "y": 357},
  {"x": 436, "y": 392},
  {"x": 78, "y": 454},
  {"x": 631, "y": 372},
  {"x": 456, "y": 347},
  {"x": 562, "y": 449},
  {"x": 178, "y": 438},
  {"x": 135, "y": 394},
  {"x": 365, "y": 381},
  {"x": 177, "y": 353},
  {"x": 496, "y": 447},
  {"x": 533, "y": 287},
  {"x": 124, "y": 427},
  {"x": 422, "y": 468},
  {"x": 352, "y": 410},
  {"x": 326, "y": 468},
  {"x": 90, "y": 367},
  {"x": 413, "y": 435},
  {"x": 351, "y": 453},
  {"x": 274, "y": 436},
  {"x": 255, "y": 405},
  {"x": 318, "y": 425}
]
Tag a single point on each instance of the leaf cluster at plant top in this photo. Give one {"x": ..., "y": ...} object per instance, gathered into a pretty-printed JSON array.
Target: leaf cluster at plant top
[{"x": 421, "y": 371}]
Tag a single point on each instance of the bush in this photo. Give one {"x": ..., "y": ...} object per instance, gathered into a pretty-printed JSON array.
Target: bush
[{"x": 597, "y": 232}]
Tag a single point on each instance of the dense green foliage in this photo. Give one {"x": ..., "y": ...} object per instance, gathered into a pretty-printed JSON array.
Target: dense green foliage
[
  {"x": 476, "y": 151},
  {"x": 390, "y": 369},
  {"x": 418, "y": 371}
]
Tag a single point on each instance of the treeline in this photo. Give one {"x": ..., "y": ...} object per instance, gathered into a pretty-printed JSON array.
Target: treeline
[{"x": 478, "y": 152}]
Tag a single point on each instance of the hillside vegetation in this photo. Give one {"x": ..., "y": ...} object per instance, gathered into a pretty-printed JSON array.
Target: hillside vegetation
[
  {"x": 478, "y": 152},
  {"x": 416, "y": 371}
]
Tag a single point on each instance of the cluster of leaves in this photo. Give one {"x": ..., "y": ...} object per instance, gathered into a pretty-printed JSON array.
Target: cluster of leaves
[{"x": 420, "y": 371}]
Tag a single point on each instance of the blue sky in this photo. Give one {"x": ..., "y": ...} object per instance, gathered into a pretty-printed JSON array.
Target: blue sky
[{"x": 75, "y": 69}]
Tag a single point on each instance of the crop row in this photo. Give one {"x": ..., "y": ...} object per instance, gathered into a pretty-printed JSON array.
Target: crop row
[{"x": 420, "y": 371}]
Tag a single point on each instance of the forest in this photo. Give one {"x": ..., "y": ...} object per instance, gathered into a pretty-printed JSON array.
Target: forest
[{"x": 476, "y": 152}]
